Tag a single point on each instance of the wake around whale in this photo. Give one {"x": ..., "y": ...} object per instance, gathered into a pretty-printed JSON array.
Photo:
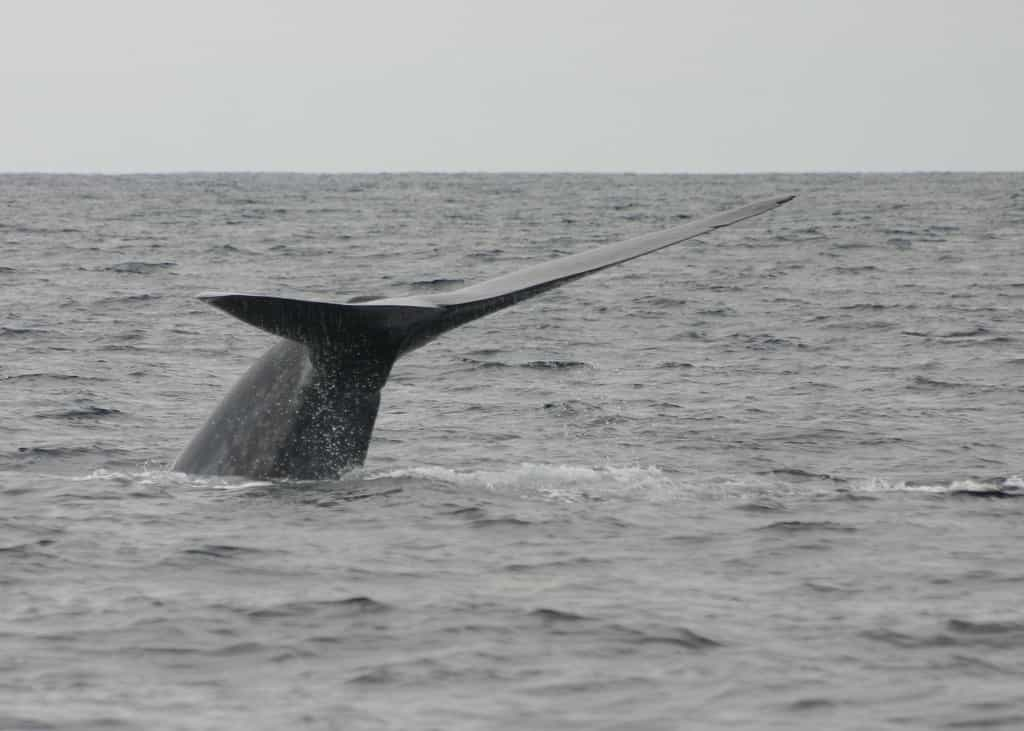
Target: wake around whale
[{"x": 306, "y": 408}]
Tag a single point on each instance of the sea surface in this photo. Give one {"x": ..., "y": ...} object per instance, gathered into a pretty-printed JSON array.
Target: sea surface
[{"x": 766, "y": 479}]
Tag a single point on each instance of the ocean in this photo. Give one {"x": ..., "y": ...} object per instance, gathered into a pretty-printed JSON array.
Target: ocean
[{"x": 764, "y": 479}]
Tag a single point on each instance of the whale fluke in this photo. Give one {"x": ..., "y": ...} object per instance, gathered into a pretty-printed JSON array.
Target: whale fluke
[{"x": 306, "y": 409}]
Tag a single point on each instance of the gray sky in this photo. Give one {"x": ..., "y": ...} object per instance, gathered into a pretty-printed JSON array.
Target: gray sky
[{"x": 631, "y": 85}]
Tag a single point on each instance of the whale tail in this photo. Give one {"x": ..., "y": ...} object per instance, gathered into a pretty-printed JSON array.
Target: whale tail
[
  {"x": 366, "y": 337},
  {"x": 312, "y": 400},
  {"x": 400, "y": 324}
]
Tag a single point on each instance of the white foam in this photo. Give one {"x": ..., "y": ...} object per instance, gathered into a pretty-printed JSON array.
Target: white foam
[
  {"x": 879, "y": 484},
  {"x": 562, "y": 482},
  {"x": 100, "y": 474},
  {"x": 148, "y": 477},
  {"x": 567, "y": 482}
]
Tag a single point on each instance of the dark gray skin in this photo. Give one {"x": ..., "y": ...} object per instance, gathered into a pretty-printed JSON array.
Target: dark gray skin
[
  {"x": 309, "y": 422},
  {"x": 303, "y": 411},
  {"x": 306, "y": 409}
]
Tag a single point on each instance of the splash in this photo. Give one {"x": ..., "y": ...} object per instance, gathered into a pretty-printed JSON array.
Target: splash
[
  {"x": 159, "y": 477},
  {"x": 563, "y": 482},
  {"x": 1008, "y": 487}
]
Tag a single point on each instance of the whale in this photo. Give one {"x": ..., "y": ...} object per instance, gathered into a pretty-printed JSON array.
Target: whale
[{"x": 305, "y": 410}]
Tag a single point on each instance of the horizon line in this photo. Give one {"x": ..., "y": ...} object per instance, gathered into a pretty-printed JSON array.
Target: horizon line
[{"x": 212, "y": 171}]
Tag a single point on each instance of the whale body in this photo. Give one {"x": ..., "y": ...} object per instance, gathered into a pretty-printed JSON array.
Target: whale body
[{"x": 306, "y": 409}]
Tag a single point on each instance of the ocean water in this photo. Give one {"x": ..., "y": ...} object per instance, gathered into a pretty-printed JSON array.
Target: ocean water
[{"x": 765, "y": 479}]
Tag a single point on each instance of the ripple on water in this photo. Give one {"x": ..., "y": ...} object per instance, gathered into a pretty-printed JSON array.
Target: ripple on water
[
  {"x": 139, "y": 267},
  {"x": 521, "y": 577},
  {"x": 347, "y": 607},
  {"x": 84, "y": 412},
  {"x": 803, "y": 526},
  {"x": 956, "y": 633},
  {"x": 213, "y": 550}
]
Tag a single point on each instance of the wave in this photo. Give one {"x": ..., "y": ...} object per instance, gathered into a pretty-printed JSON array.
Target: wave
[
  {"x": 801, "y": 526},
  {"x": 139, "y": 267},
  {"x": 149, "y": 476},
  {"x": 16, "y": 331},
  {"x": 564, "y": 482},
  {"x": 565, "y": 623},
  {"x": 223, "y": 550},
  {"x": 966, "y": 633},
  {"x": 536, "y": 364},
  {"x": 140, "y": 297},
  {"x": 556, "y": 482},
  {"x": 341, "y": 607},
  {"x": 53, "y": 376},
  {"x": 997, "y": 488},
  {"x": 760, "y": 492},
  {"x": 973, "y": 332},
  {"x": 439, "y": 283},
  {"x": 529, "y": 473},
  {"x": 85, "y": 412}
]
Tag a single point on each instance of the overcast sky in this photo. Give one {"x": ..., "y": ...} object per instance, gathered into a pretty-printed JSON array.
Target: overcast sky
[{"x": 547, "y": 85}]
